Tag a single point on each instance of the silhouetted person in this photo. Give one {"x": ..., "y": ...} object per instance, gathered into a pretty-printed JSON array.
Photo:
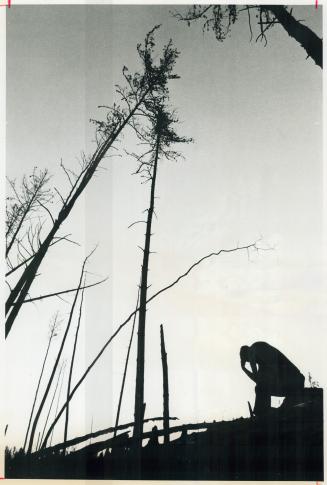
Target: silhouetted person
[{"x": 273, "y": 374}]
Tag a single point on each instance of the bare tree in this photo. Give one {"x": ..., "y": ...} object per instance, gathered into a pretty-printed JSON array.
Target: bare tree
[
  {"x": 220, "y": 18},
  {"x": 158, "y": 139},
  {"x": 140, "y": 88},
  {"x": 54, "y": 369},
  {"x": 53, "y": 333},
  {"x": 23, "y": 203}
]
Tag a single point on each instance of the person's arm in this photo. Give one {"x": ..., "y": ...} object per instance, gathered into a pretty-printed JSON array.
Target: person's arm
[
  {"x": 252, "y": 375},
  {"x": 249, "y": 374},
  {"x": 253, "y": 365}
]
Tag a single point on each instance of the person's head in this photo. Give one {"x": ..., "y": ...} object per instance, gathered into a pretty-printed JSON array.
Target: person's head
[{"x": 244, "y": 353}]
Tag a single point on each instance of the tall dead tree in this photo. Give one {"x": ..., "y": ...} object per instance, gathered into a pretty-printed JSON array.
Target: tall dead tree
[
  {"x": 165, "y": 386},
  {"x": 139, "y": 386},
  {"x": 159, "y": 137},
  {"x": 141, "y": 87},
  {"x": 220, "y": 18}
]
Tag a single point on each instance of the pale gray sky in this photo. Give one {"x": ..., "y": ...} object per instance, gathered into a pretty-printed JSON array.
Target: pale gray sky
[{"x": 255, "y": 169}]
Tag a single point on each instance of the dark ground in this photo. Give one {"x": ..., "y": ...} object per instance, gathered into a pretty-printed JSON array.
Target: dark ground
[{"x": 286, "y": 445}]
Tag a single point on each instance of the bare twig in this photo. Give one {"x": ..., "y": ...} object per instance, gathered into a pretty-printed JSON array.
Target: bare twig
[
  {"x": 136, "y": 222},
  {"x": 49, "y": 295}
]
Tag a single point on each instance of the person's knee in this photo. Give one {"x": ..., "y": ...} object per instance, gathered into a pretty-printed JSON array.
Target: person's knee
[{"x": 299, "y": 382}]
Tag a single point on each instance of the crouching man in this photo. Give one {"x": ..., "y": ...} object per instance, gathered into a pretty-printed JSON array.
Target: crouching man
[{"x": 273, "y": 374}]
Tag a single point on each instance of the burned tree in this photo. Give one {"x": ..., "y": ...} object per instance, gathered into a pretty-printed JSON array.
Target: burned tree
[
  {"x": 141, "y": 87},
  {"x": 159, "y": 137},
  {"x": 22, "y": 205},
  {"x": 220, "y": 18}
]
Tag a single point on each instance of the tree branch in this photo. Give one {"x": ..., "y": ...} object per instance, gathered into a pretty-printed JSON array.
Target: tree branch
[
  {"x": 49, "y": 295},
  {"x": 58, "y": 239}
]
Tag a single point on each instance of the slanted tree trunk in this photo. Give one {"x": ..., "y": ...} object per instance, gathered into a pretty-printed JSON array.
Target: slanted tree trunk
[
  {"x": 310, "y": 42},
  {"x": 38, "y": 386},
  {"x": 19, "y": 292},
  {"x": 51, "y": 403},
  {"x": 139, "y": 390},
  {"x": 72, "y": 366},
  {"x": 46, "y": 392},
  {"x": 165, "y": 386},
  {"x": 125, "y": 369},
  {"x": 57, "y": 406}
]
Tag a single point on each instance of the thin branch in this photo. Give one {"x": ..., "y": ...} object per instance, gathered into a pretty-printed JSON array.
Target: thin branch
[
  {"x": 190, "y": 17},
  {"x": 187, "y": 272},
  {"x": 66, "y": 172},
  {"x": 56, "y": 240},
  {"x": 250, "y": 26},
  {"x": 61, "y": 197},
  {"x": 136, "y": 222},
  {"x": 42, "y": 297},
  {"x": 48, "y": 211}
]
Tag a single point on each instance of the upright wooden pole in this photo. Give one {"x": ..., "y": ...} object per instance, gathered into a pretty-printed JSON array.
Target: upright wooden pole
[{"x": 165, "y": 386}]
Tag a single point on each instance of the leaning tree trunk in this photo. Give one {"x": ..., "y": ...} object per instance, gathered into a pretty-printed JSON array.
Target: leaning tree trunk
[
  {"x": 71, "y": 367},
  {"x": 54, "y": 369},
  {"x": 139, "y": 389},
  {"x": 310, "y": 42},
  {"x": 18, "y": 294},
  {"x": 38, "y": 387},
  {"x": 125, "y": 368}
]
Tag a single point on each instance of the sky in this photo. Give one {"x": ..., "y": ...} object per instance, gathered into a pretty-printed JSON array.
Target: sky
[{"x": 254, "y": 172}]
